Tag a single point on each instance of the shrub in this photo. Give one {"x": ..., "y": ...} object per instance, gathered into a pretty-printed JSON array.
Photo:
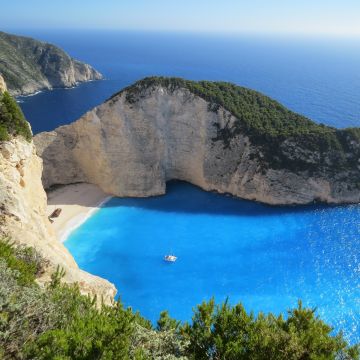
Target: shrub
[
  {"x": 166, "y": 323},
  {"x": 12, "y": 120},
  {"x": 24, "y": 260},
  {"x": 88, "y": 334},
  {"x": 4, "y": 136},
  {"x": 25, "y": 312},
  {"x": 229, "y": 332}
]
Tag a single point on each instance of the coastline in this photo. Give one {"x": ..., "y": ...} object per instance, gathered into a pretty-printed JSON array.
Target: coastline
[
  {"x": 37, "y": 92},
  {"x": 78, "y": 202}
]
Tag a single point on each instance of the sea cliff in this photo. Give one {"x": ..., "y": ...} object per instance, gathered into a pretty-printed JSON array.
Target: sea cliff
[
  {"x": 23, "y": 205},
  {"x": 217, "y": 136},
  {"x": 29, "y": 65},
  {"x": 23, "y": 216},
  {"x": 3, "y": 86}
]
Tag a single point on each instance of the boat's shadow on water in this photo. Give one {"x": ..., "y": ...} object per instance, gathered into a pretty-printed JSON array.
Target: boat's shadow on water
[{"x": 182, "y": 197}]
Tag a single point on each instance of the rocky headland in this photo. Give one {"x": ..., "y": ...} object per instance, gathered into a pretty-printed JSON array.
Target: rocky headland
[
  {"x": 217, "y": 136},
  {"x": 29, "y": 65}
]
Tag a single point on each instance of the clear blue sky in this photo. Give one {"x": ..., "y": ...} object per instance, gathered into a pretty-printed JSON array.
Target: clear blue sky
[{"x": 333, "y": 17}]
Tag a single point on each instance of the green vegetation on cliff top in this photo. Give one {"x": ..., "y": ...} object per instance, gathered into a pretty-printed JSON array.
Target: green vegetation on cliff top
[
  {"x": 57, "y": 322},
  {"x": 12, "y": 120},
  {"x": 259, "y": 114},
  {"x": 264, "y": 120}
]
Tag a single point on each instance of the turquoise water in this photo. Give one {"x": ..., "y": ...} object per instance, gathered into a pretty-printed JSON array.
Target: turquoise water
[{"x": 265, "y": 257}]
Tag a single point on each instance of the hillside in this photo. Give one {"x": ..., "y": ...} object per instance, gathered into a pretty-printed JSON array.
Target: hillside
[
  {"x": 268, "y": 124},
  {"x": 28, "y": 65},
  {"x": 216, "y": 135}
]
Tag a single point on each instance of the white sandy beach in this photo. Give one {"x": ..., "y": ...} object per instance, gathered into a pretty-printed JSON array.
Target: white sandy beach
[{"x": 77, "y": 202}]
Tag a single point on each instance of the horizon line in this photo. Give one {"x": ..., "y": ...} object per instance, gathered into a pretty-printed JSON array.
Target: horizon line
[{"x": 283, "y": 34}]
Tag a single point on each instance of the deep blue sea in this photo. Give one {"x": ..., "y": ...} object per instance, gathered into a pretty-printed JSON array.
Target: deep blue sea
[
  {"x": 317, "y": 78},
  {"x": 265, "y": 257}
]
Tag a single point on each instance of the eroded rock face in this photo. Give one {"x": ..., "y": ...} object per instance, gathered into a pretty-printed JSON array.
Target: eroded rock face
[
  {"x": 132, "y": 148},
  {"x": 2, "y": 84},
  {"x": 23, "y": 215}
]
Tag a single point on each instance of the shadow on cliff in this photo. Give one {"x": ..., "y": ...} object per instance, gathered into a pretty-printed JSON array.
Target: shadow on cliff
[{"x": 187, "y": 198}]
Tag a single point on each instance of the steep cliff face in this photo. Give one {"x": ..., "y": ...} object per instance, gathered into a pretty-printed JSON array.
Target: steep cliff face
[
  {"x": 146, "y": 135},
  {"x": 29, "y": 65},
  {"x": 2, "y": 84},
  {"x": 23, "y": 215}
]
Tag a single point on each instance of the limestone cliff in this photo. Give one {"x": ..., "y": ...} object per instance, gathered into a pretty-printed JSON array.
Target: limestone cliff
[
  {"x": 23, "y": 215},
  {"x": 28, "y": 65},
  {"x": 158, "y": 130},
  {"x": 2, "y": 84}
]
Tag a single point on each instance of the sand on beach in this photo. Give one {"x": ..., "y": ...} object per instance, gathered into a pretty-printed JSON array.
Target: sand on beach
[{"x": 77, "y": 202}]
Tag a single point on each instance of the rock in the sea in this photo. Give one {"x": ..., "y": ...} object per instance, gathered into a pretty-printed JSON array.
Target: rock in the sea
[
  {"x": 28, "y": 65},
  {"x": 163, "y": 129},
  {"x": 23, "y": 216}
]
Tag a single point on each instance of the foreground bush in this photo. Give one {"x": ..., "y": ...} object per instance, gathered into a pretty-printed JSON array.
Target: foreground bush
[
  {"x": 57, "y": 322},
  {"x": 226, "y": 332}
]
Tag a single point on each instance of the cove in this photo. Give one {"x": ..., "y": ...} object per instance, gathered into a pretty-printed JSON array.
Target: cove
[{"x": 265, "y": 257}]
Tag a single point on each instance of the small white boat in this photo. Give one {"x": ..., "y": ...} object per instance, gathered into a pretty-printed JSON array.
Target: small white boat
[{"x": 170, "y": 258}]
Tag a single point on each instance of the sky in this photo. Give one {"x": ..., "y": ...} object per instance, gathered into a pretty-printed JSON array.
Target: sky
[{"x": 309, "y": 17}]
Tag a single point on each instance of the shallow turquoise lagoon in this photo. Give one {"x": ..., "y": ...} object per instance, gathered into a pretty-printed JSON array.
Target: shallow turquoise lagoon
[{"x": 265, "y": 257}]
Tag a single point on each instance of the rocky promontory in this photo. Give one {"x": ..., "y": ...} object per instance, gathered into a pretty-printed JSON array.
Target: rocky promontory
[
  {"x": 29, "y": 65},
  {"x": 23, "y": 203},
  {"x": 218, "y": 136}
]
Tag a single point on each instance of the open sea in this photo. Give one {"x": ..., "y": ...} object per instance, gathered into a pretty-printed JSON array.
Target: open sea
[{"x": 263, "y": 256}]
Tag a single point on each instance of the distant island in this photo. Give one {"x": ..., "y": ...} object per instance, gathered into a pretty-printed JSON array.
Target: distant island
[{"x": 29, "y": 65}]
